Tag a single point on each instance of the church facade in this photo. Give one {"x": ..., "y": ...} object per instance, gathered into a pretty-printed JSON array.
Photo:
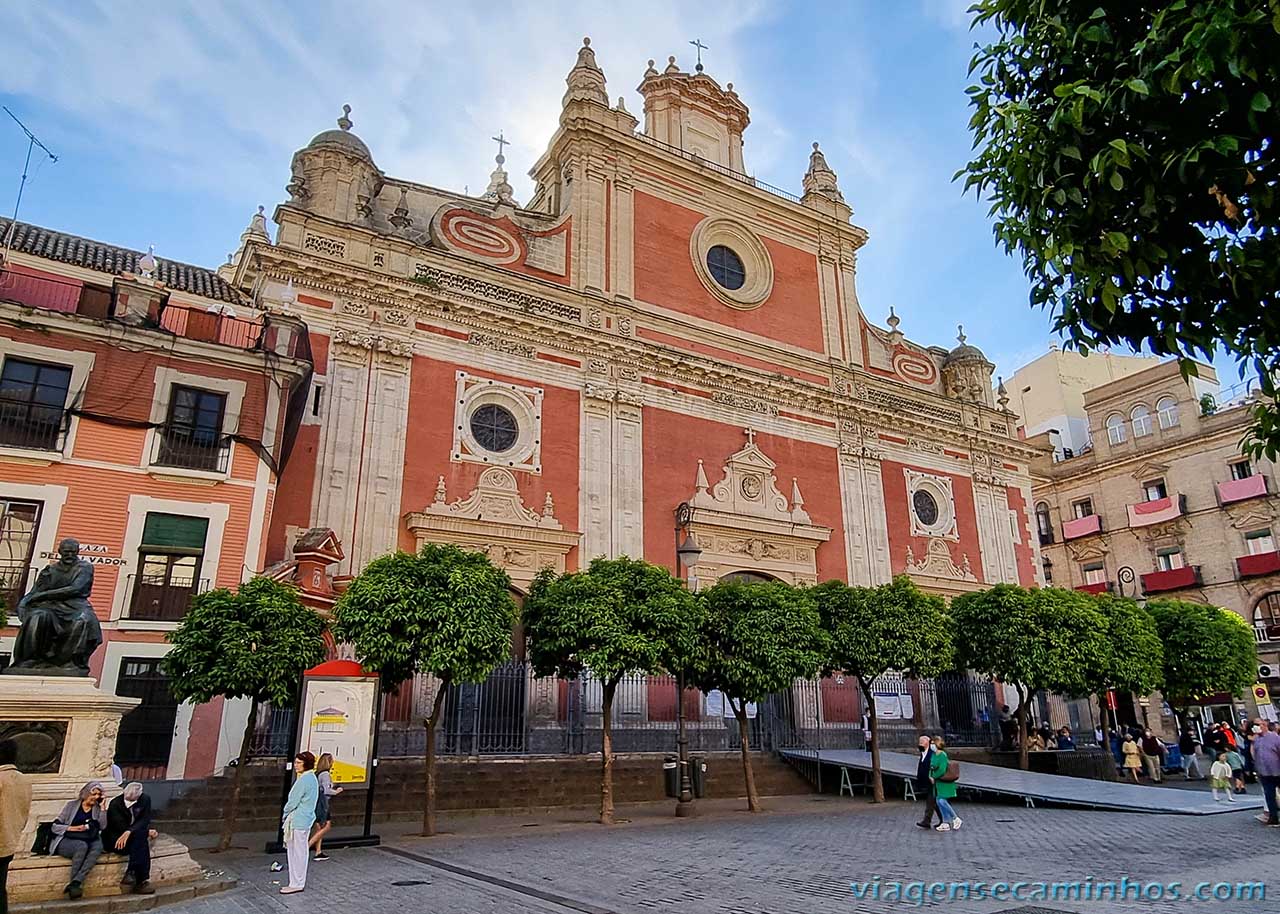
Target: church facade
[
  {"x": 654, "y": 340},
  {"x": 549, "y": 380}
]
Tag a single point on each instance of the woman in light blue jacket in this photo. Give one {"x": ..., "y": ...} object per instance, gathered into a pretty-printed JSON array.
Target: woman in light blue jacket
[{"x": 299, "y": 816}]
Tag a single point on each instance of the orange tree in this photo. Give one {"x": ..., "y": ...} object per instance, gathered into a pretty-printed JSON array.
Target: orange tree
[
  {"x": 444, "y": 611},
  {"x": 872, "y": 630},
  {"x": 756, "y": 639},
  {"x": 255, "y": 643},
  {"x": 619, "y": 616}
]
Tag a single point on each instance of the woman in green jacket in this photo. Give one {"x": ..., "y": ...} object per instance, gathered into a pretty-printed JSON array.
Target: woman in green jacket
[{"x": 945, "y": 791}]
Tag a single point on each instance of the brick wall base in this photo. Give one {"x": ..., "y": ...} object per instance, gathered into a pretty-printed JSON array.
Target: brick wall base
[{"x": 470, "y": 785}]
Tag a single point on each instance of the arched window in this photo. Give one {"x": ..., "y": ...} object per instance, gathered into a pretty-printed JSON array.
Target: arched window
[
  {"x": 748, "y": 577},
  {"x": 1167, "y": 410},
  {"x": 1266, "y": 615},
  {"x": 1044, "y": 524},
  {"x": 1141, "y": 418},
  {"x": 1115, "y": 429}
]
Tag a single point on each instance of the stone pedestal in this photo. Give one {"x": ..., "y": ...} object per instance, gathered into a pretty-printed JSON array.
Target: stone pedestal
[{"x": 66, "y": 728}]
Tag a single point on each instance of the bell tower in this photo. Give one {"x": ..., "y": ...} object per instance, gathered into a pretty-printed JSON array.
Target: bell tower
[{"x": 692, "y": 112}]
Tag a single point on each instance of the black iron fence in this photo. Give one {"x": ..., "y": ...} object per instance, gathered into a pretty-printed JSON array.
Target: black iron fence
[{"x": 514, "y": 712}]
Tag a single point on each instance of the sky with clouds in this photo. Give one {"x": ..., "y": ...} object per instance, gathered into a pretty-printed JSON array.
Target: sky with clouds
[{"x": 174, "y": 121}]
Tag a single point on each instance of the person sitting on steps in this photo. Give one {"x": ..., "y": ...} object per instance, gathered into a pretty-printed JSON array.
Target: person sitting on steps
[
  {"x": 77, "y": 835},
  {"x": 129, "y": 832}
]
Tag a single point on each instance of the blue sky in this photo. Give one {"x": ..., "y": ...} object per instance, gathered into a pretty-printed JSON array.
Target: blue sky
[{"x": 174, "y": 121}]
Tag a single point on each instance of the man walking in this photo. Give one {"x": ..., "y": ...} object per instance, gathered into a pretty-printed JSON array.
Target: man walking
[
  {"x": 1266, "y": 761},
  {"x": 15, "y": 807},
  {"x": 924, "y": 784},
  {"x": 1188, "y": 745}
]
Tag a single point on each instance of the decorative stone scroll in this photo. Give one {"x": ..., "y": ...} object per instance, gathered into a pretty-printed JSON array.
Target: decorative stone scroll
[{"x": 938, "y": 572}]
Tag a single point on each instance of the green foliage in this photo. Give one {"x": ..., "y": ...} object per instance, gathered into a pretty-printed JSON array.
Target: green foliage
[
  {"x": 1134, "y": 657},
  {"x": 1049, "y": 638},
  {"x": 1206, "y": 649},
  {"x": 757, "y": 639},
  {"x": 1128, "y": 151},
  {"x": 445, "y": 611},
  {"x": 618, "y": 616},
  {"x": 895, "y": 626},
  {"x": 252, "y": 643}
]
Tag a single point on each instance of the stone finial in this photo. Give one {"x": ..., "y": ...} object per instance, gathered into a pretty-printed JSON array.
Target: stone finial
[
  {"x": 586, "y": 79},
  {"x": 548, "y": 507},
  {"x": 960, "y": 337},
  {"x": 400, "y": 218},
  {"x": 896, "y": 336},
  {"x": 650, "y": 71},
  {"x": 345, "y": 121},
  {"x": 671, "y": 66},
  {"x": 700, "y": 483},
  {"x": 622, "y": 105},
  {"x": 1002, "y": 395},
  {"x": 820, "y": 180},
  {"x": 289, "y": 295},
  {"x": 147, "y": 262},
  {"x": 440, "y": 491}
]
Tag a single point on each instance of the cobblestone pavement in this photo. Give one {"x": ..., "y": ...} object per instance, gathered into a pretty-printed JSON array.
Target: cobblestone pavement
[{"x": 800, "y": 861}]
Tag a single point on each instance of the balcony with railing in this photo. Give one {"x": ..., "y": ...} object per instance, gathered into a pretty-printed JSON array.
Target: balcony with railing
[
  {"x": 189, "y": 449},
  {"x": 32, "y": 427},
  {"x": 1157, "y": 511},
  {"x": 1100, "y": 587},
  {"x": 1234, "y": 490},
  {"x": 153, "y": 599},
  {"x": 1266, "y": 630},
  {"x": 1082, "y": 526},
  {"x": 1251, "y": 566},
  {"x": 1173, "y": 579}
]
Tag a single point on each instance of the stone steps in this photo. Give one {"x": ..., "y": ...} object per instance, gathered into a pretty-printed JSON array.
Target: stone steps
[{"x": 126, "y": 904}]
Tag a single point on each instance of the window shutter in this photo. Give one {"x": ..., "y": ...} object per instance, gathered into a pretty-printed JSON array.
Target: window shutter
[{"x": 175, "y": 531}]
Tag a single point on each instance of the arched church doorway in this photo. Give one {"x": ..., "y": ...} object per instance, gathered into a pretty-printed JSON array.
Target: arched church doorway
[{"x": 748, "y": 577}]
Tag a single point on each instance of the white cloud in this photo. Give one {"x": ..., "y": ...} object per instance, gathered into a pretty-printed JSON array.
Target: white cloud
[{"x": 220, "y": 95}]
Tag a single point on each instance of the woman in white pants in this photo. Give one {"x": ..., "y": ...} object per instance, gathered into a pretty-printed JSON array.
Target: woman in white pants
[{"x": 299, "y": 816}]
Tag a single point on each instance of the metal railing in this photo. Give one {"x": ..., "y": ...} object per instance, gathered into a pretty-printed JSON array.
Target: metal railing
[
  {"x": 158, "y": 601},
  {"x": 717, "y": 167},
  {"x": 32, "y": 426},
  {"x": 192, "y": 450},
  {"x": 515, "y": 713}
]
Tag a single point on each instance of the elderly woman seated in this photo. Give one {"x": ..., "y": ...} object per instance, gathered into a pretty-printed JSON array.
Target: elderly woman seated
[
  {"x": 77, "y": 835},
  {"x": 129, "y": 832}
]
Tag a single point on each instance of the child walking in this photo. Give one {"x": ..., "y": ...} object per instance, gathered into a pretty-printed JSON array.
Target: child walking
[
  {"x": 1236, "y": 761},
  {"x": 1132, "y": 756},
  {"x": 1220, "y": 778}
]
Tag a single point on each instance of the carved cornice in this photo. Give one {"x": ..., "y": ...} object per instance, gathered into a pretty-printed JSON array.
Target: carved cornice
[{"x": 524, "y": 322}]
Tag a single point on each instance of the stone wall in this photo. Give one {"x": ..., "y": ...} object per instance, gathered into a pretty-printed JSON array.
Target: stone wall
[{"x": 469, "y": 786}]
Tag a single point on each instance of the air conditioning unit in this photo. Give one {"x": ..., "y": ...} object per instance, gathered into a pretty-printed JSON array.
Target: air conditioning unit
[{"x": 1265, "y": 671}]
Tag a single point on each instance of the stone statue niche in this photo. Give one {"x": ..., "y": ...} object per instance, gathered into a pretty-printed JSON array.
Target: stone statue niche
[{"x": 59, "y": 630}]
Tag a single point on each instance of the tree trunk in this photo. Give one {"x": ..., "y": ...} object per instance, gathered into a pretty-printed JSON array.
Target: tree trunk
[
  {"x": 606, "y": 756},
  {"x": 740, "y": 712},
  {"x": 1024, "y": 761},
  {"x": 429, "y": 808},
  {"x": 877, "y": 780},
  {"x": 229, "y": 823}
]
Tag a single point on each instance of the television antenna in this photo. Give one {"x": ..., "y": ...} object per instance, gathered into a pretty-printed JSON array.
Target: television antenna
[{"x": 32, "y": 142}]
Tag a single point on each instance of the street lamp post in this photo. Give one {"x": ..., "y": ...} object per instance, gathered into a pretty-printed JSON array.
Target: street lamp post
[{"x": 687, "y": 554}]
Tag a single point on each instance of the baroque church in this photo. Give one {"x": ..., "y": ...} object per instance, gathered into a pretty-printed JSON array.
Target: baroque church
[{"x": 550, "y": 380}]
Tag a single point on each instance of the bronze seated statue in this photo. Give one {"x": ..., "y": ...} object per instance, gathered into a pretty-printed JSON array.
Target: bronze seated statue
[{"x": 59, "y": 630}]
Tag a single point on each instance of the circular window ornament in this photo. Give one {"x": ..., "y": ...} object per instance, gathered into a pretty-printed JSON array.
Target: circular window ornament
[
  {"x": 925, "y": 506},
  {"x": 494, "y": 428},
  {"x": 732, "y": 262}
]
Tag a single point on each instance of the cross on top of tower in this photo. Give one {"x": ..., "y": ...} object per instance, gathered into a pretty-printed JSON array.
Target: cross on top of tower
[
  {"x": 751, "y": 436},
  {"x": 697, "y": 43},
  {"x": 501, "y": 140}
]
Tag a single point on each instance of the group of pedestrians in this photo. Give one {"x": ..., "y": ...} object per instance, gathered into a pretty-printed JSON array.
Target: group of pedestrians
[
  {"x": 306, "y": 818},
  {"x": 936, "y": 777},
  {"x": 83, "y": 830}
]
